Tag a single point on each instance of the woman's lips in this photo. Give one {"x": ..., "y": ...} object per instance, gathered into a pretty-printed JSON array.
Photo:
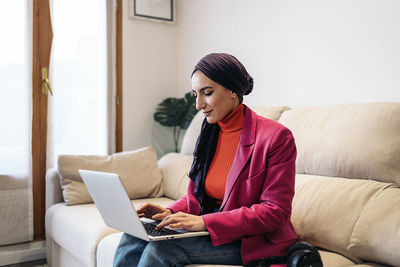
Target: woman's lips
[{"x": 207, "y": 113}]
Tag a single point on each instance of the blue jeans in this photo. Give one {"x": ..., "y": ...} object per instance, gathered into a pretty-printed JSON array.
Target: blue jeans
[{"x": 133, "y": 251}]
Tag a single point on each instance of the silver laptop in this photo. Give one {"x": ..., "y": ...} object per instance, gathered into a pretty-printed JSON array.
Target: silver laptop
[{"x": 118, "y": 212}]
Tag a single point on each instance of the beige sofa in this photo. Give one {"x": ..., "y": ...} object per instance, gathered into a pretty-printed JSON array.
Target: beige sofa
[{"x": 347, "y": 199}]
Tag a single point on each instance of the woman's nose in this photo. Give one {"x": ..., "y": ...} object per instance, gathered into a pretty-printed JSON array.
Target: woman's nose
[{"x": 200, "y": 104}]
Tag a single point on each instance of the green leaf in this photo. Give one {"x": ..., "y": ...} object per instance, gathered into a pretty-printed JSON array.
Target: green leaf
[
  {"x": 190, "y": 111},
  {"x": 170, "y": 112},
  {"x": 177, "y": 113}
]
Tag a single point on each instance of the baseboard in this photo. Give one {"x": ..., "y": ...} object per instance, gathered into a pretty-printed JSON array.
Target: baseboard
[{"x": 24, "y": 252}]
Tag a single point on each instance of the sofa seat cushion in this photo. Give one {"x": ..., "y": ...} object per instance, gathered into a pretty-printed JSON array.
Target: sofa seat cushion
[
  {"x": 368, "y": 264},
  {"x": 77, "y": 229},
  {"x": 80, "y": 228},
  {"x": 333, "y": 259},
  {"x": 106, "y": 250},
  {"x": 376, "y": 235},
  {"x": 57, "y": 256},
  {"x": 326, "y": 209}
]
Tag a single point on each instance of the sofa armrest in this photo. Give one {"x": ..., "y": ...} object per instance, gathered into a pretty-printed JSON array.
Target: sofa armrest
[{"x": 53, "y": 188}]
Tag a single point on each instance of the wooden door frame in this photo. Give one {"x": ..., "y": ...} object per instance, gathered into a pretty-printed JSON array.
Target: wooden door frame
[
  {"x": 118, "y": 128},
  {"x": 41, "y": 46}
]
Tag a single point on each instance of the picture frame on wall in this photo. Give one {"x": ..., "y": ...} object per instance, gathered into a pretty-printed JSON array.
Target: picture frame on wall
[{"x": 161, "y": 11}]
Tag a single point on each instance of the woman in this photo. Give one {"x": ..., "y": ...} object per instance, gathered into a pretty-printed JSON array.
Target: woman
[{"x": 241, "y": 181}]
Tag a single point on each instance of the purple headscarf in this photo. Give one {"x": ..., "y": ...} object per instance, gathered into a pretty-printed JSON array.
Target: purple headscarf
[
  {"x": 231, "y": 74},
  {"x": 226, "y": 70}
]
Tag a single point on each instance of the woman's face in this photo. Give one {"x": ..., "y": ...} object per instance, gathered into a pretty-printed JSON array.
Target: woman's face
[{"x": 213, "y": 99}]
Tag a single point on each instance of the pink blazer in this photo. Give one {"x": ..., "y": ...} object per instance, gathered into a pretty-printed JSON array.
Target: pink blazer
[{"x": 258, "y": 194}]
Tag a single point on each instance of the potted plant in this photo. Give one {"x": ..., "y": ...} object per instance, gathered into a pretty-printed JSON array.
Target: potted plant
[{"x": 176, "y": 113}]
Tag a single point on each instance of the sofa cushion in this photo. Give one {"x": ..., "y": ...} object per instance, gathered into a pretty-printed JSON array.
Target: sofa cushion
[
  {"x": 376, "y": 235},
  {"x": 191, "y": 134},
  {"x": 79, "y": 228},
  {"x": 273, "y": 113},
  {"x": 106, "y": 250},
  {"x": 57, "y": 256},
  {"x": 351, "y": 140},
  {"x": 190, "y": 138},
  {"x": 137, "y": 169},
  {"x": 367, "y": 264},
  {"x": 326, "y": 209},
  {"x": 174, "y": 169},
  {"x": 333, "y": 259}
]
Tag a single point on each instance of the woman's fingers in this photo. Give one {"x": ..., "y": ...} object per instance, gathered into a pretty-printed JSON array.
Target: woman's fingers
[
  {"x": 148, "y": 210},
  {"x": 183, "y": 220},
  {"x": 161, "y": 216},
  {"x": 143, "y": 208},
  {"x": 176, "y": 225},
  {"x": 150, "y": 206}
]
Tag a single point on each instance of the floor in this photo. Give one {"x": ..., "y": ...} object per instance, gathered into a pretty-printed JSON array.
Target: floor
[
  {"x": 39, "y": 263},
  {"x": 29, "y": 251}
]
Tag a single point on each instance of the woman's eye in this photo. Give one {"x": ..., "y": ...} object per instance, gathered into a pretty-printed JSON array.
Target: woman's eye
[{"x": 208, "y": 93}]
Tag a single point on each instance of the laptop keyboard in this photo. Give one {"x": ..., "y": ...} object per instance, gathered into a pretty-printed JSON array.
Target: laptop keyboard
[{"x": 151, "y": 230}]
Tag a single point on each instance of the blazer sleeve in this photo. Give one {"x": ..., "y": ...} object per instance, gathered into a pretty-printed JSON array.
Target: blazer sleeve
[
  {"x": 273, "y": 208},
  {"x": 179, "y": 205}
]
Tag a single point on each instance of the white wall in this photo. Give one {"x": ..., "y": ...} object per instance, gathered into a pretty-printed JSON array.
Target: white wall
[
  {"x": 299, "y": 52},
  {"x": 149, "y": 75},
  {"x": 307, "y": 52}
]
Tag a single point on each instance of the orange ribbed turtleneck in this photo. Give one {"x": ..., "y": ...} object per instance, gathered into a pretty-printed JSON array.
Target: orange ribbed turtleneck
[{"x": 228, "y": 140}]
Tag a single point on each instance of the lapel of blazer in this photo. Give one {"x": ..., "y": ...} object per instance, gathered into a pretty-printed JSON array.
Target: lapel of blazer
[{"x": 243, "y": 152}]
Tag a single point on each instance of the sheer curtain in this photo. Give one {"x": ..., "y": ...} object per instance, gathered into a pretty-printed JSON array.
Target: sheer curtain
[
  {"x": 16, "y": 209},
  {"x": 81, "y": 110}
]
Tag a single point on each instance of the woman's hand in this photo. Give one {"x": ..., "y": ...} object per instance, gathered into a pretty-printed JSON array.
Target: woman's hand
[
  {"x": 183, "y": 220},
  {"x": 153, "y": 211}
]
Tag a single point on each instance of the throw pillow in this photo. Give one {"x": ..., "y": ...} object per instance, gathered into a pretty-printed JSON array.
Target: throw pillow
[{"x": 137, "y": 170}]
